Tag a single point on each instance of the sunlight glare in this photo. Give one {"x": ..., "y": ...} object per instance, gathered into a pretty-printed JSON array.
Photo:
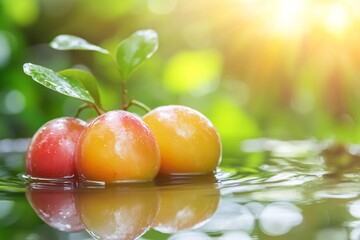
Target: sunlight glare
[
  {"x": 288, "y": 16},
  {"x": 336, "y": 19}
]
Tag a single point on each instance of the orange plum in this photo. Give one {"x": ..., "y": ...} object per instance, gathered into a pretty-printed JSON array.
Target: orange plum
[
  {"x": 188, "y": 141},
  {"x": 187, "y": 205},
  {"x": 117, "y": 211},
  {"x": 52, "y": 149},
  {"x": 117, "y": 146}
]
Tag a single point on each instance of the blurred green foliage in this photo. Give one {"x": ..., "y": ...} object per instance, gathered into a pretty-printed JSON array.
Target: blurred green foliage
[{"x": 256, "y": 69}]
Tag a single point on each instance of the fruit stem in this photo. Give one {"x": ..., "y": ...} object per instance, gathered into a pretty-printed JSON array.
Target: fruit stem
[
  {"x": 97, "y": 109},
  {"x": 79, "y": 110},
  {"x": 125, "y": 105},
  {"x": 139, "y": 104}
]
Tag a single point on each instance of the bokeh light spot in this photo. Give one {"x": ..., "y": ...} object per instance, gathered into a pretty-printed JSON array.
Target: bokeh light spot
[
  {"x": 195, "y": 72},
  {"x": 288, "y": 16},
  {"x": 22, "y": 12},
  {"x": 14, "y": 102},
  {"x": 238, "y": 235},
  {"x": 354, "y": 209},
  {"x": 279, "y": 218},
  {"x": 336, "y": 20},
  {"x": 231, "y": 217},
  {"x": 6, "y": 207},
  {"x": 231, "y": 121},
  {"x": 190, "y": 235}
]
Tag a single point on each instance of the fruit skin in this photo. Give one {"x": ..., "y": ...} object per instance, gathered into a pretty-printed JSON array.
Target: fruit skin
[
  {"x": 188, "y": 142},
  {"x": 56, "y": 207},
  {"x": 117, "y": 146},
  {"x": 52, "y": 149}
]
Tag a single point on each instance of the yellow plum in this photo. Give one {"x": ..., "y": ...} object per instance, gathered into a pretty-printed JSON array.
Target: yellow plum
[{"x": 188, "y": 141}]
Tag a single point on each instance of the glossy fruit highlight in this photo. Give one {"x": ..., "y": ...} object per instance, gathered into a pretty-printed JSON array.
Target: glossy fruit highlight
[
  {"x": 188, "y": 142},
  {"x": 117, "y": 146},
  {"x": 52, "y": 149}
]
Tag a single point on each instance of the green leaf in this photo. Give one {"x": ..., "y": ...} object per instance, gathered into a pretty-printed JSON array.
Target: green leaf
[
  {"x": 69, "y": 42},
  {"x": 134, "y": 50},
  {"x": 54, "y": 81},
  {"x": 87, "y": 79}
]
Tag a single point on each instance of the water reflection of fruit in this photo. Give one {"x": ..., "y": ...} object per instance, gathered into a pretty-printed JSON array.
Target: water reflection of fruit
[
  {"x": 117, "y": 211},
  {"x": 186, "y": 202},
  {"x": 56, "y": 207}
]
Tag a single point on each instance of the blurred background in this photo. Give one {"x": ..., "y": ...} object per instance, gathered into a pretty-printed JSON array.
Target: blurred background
[{"x": 281, "y": 69}]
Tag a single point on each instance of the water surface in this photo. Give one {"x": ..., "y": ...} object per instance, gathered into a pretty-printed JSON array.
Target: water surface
[{"x": 275, "y": 190}]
